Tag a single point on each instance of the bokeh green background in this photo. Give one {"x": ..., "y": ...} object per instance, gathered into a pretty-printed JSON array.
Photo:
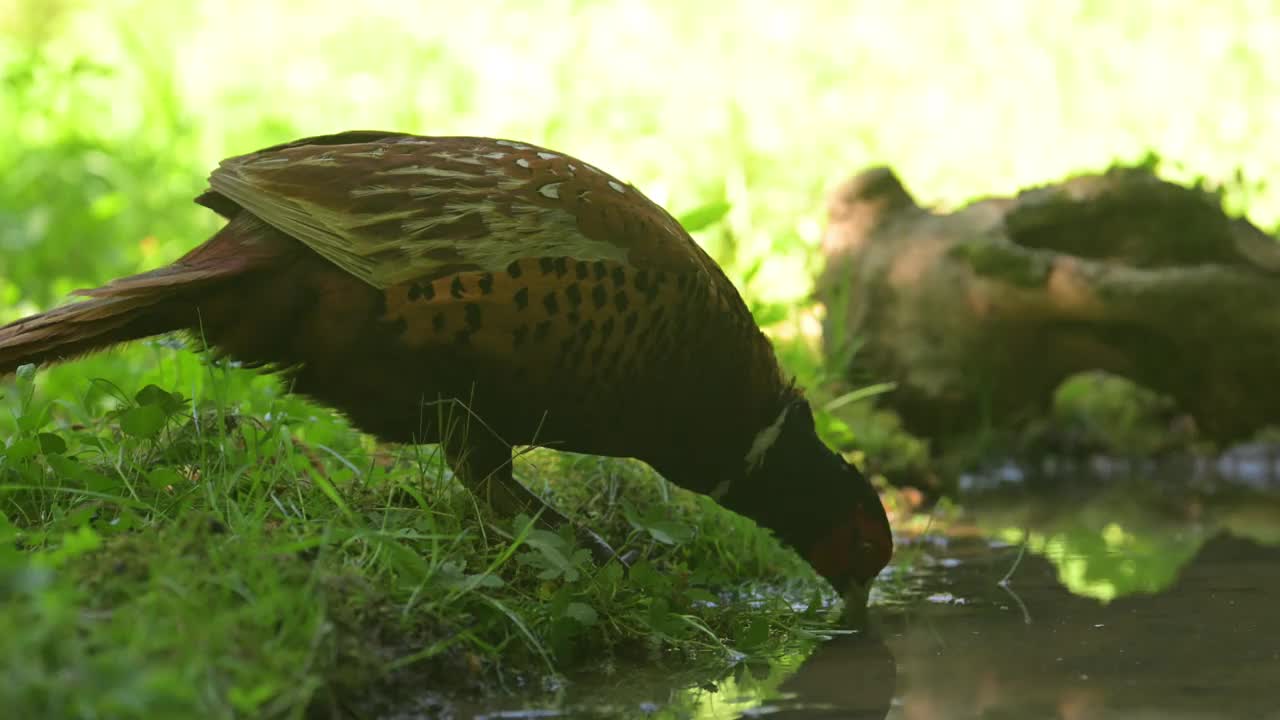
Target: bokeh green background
[{"x": 112, "y": 111}]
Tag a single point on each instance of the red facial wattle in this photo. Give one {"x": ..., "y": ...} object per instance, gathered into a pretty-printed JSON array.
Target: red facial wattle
[
  {"x": 858, "y": 549},
  {"x": 877, "y": 544}
]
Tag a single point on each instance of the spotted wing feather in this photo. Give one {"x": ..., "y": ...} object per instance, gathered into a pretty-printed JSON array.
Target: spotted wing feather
[{"x": 390, "y": 208}]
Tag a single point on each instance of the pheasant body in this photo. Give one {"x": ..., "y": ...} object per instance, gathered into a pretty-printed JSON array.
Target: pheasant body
[{"x": 396, "y": 276}]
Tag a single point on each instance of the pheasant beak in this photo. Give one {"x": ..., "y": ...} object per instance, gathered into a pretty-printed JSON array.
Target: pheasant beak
[
  {"x": 851, "y": 556},
  {"x": 856, "y": 595}
]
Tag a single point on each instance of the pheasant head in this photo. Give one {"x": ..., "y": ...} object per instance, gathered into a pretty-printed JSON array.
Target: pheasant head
[{"x": 816, "y": 502}]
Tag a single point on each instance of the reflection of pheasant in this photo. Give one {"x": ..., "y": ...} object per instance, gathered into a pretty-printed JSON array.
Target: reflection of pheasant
[{"x": 388, "y": 272}]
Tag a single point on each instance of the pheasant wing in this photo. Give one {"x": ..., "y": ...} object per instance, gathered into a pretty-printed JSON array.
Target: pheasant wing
[{"x": 390, "y": 207}]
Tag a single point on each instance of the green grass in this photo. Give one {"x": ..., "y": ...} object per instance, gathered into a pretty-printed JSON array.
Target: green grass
[
  {"x": 242, "y": 553},
  {"x": 175, "y": 558}
]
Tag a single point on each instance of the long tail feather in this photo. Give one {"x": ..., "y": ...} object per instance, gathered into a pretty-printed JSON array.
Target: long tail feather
[
  {"x": 79, "y": 328},
  {"x": 138, "y": 306}
]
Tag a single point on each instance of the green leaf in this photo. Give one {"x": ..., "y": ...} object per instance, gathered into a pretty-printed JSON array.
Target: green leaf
[
  {"x": 76, "y": 517},
  {"x": 558, "y": 601},
  {"x": 408, "y": 564},
  {"x": 97, "y": 482},
  {"x": 164, "y": 477},
  {"x": 153, "y": 395},
  {"x": 70, "y": 470},
  {"x": 30, "y": 420},
  {"x": 611, "y": 575},
  {"x": 753, "y": 634},
  {"x": 551, "y": 553},
  {"x": 582, "y": 612},
  {"x": 23, "y": 449},
  {"x": 25, "y": 373},
  {"x": 670, "y": 532},
  {"x": 660, "y": 619},
  {"x": 51, "y": 444},
  {"x": 645, "y": 577},
  {"x": 452, "y": 574},
  {"x": 65, "y": 468},
  {"x": 704, "y": 216},
  {"x": 861, "y": 393},
  {"x": 485, "y": 580},
  {"x": 667, "y": 532},
  {"x": 144, "y": 421}
]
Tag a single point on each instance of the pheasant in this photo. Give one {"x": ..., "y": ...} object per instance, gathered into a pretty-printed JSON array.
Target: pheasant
[{"x": 482, "y": 293}]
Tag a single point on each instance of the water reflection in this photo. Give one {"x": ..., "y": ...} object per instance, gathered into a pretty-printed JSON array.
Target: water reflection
[
  {"x": 1206, "y": 647},
  {"x": 851, "y": 676},
  {"x": 1124, "y": 601}
]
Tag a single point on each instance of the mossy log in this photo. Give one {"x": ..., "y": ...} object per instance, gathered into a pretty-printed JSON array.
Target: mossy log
[{"x": 980, "y": 313}]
